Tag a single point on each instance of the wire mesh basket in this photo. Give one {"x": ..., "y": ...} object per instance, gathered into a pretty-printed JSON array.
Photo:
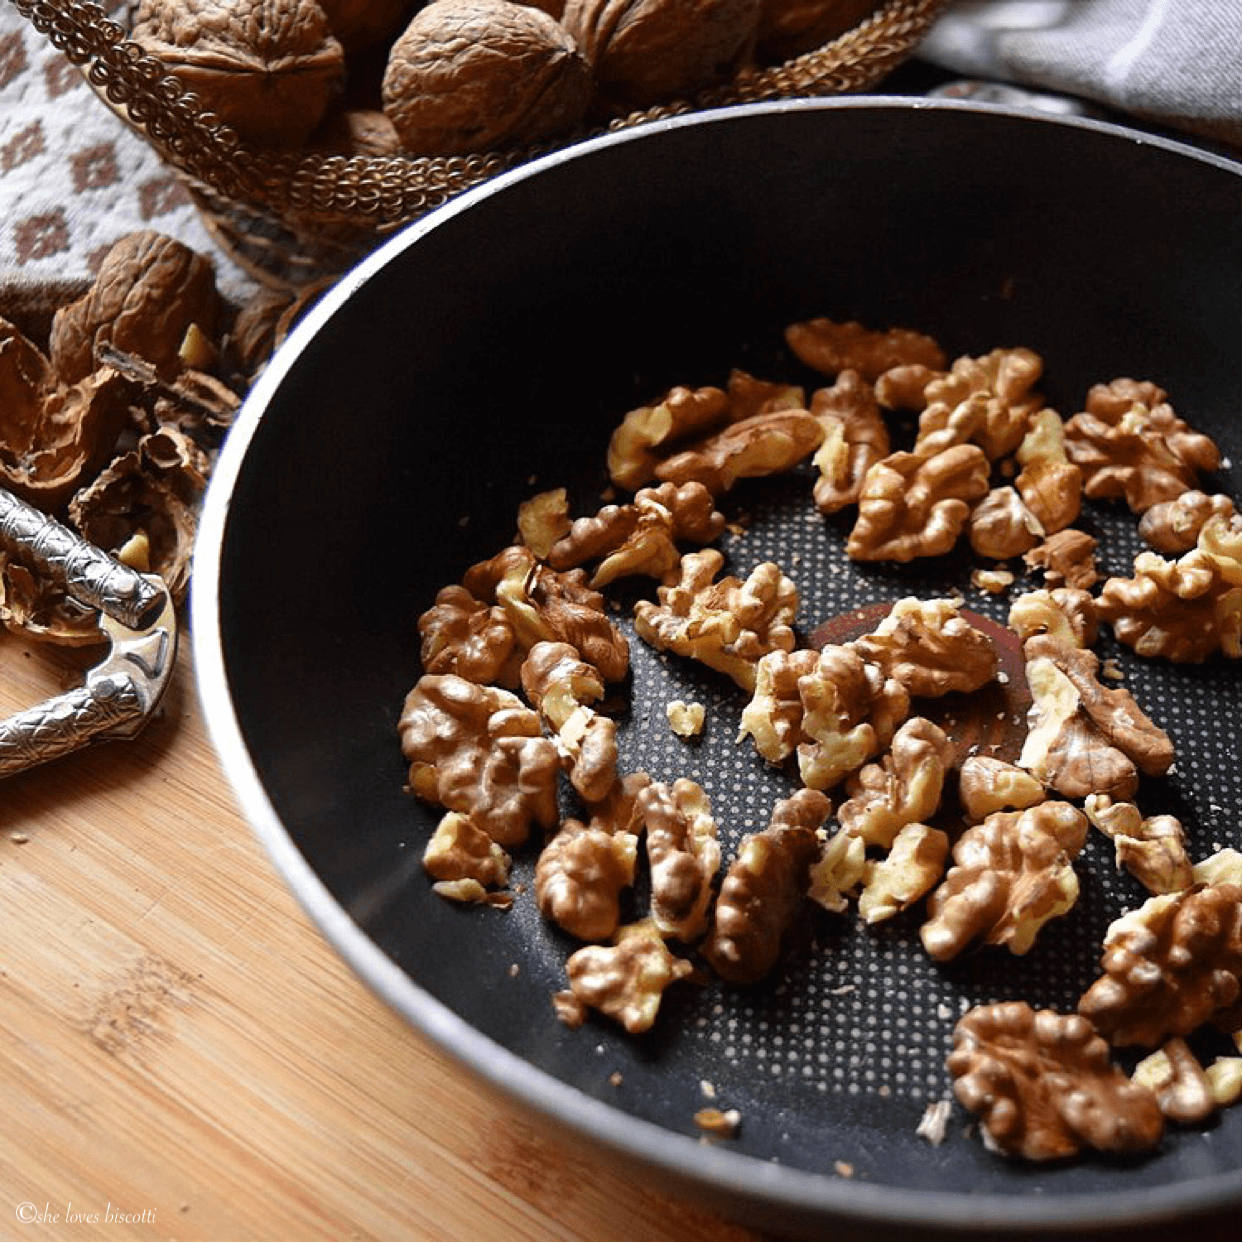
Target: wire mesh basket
[{"x": 291, "y": 218}]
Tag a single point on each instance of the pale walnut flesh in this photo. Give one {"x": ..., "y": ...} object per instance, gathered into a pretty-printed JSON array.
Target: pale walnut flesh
[
  {"x": 1066, "y": 614},
  {"x": 913, "y": 865},
  {"x": 1152, "y": 848},
  {"x": 1044, "y": 1086},
  {"x": 930, "y": 648},
  {"x": 987, "y": 784},
  {"x": 459, "y": 850},
  {"x": 1011, "y": 875},
  {"x": 683, "y": 856},
  {"x": 911, "y": 506},
  {"x": 1180, "y": 1084},
  {"x": 1084, "y": 738},
  {"x": 850, "y": 712},
  {"x": 726, "y": 624},
  {"x": 1169, "y": 966},
  {"x": 626, "y": 980},
  {"x": 763, "y": 889},
  {"x": 904, "y": 788},
  {"x": 1185, "y": 610},
  {"x": 1067, "y": 559},
  {"x": 480, "y": 751},
  {"x": 856, "y": 437}
]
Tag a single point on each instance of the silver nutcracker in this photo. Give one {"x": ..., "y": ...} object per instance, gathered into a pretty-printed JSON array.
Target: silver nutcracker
[{"x": 138, "y": 619}]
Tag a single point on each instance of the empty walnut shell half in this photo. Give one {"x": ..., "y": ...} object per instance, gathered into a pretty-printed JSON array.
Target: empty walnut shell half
[{"x": 474, "y": 75}]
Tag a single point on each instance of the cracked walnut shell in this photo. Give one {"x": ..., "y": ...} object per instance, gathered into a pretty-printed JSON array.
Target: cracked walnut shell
[{"x": 475, "y": 75}]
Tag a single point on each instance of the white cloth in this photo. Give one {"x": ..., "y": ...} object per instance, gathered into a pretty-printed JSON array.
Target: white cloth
[
  {"x": 1174, "y": 63},
  {"x": 74, "y": 178}
]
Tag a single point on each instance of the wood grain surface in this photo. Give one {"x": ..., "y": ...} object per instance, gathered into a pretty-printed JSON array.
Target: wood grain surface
[{"x": 183, "y": 1057}]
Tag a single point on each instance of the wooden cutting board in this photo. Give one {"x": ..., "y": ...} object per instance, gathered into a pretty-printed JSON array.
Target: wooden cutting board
[{"x": 183, "y": 1057}]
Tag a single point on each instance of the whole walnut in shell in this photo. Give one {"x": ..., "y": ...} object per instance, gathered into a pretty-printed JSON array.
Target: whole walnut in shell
[
  {"x": 646, "y": 51},
  {"x": 266, "y": 68},
  {"x": 474, "y": 75}
]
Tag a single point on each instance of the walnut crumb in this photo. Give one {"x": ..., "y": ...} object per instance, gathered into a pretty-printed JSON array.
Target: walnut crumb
[
  {"x": 844, "y": 1169},
  {"x": 714, "y": 1121},
  {"x": 932, "y": 1126}
]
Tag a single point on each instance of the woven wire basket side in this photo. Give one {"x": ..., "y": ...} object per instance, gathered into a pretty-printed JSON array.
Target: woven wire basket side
[{"x": 292, "y": 218}]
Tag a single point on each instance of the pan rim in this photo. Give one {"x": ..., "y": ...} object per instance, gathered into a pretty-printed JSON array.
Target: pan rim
[{"x": 701, "y": 1167}]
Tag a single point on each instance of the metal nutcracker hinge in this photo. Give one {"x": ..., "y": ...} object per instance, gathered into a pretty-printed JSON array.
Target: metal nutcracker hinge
[{"x": 138, "y": 618}]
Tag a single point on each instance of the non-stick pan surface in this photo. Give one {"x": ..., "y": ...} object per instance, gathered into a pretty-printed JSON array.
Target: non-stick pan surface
[{"x": 485, "y": 355}]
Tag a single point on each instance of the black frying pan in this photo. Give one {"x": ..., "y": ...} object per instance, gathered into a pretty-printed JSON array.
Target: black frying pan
[{"x": 486, "y": 354}]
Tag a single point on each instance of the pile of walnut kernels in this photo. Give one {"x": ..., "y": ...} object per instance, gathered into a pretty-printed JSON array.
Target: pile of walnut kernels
[{"x": 518, "y": 656}]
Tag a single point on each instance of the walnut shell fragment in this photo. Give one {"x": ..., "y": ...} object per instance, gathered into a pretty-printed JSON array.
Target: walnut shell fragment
[
  {"x": 1011, "y": 875},
  {"x": 763, "y": 888},
  {"x": 1044, "y": 1086},
  {"x": 153, "y": 493},
  {"x": 54, "y": 436},
  {"x": 1169, "y": 966},
  {"x": 475, "y": 75},
  {"x": 266, "y": 68}
]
